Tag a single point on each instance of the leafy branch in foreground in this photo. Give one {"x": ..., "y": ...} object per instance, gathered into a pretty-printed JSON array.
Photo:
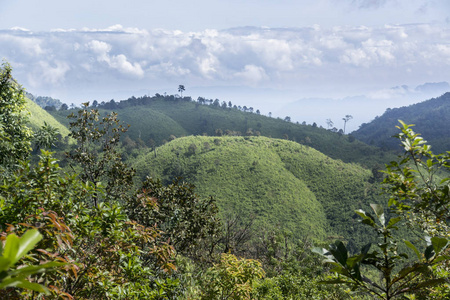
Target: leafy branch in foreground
[
  {"x": 413, "y": 184},
  {"x": 14, "y": 249},
  {"x": 420, "y": 198},
  {"x": 386, "y": 259}
]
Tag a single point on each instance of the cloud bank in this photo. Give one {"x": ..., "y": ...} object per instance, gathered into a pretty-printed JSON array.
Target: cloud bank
[{"x": 310, "y": 59}]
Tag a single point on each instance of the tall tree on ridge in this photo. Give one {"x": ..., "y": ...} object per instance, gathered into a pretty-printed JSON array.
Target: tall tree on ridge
[
  {"x": 181, "y": 89},
  {"x": 346, "y": 119}
]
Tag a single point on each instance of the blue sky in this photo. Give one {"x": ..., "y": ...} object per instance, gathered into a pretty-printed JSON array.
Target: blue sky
[
  {"x": 198, "y": 15},
  {"x": 267, "y": 54}
]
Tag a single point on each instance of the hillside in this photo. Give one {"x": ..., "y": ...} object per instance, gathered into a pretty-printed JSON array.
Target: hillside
[
  {"x": 38, "y": 116},
  {"x": 431, "y": 117},
  {"x": 156, "y": 120},
  {"x": 278, "y": 183}
]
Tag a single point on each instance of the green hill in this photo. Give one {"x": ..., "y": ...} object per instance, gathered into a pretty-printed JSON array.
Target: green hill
[
  {"x": 38, "y": 116},
  {"x": 276, "y": 182},
  {"x": 431, "y": 117},
  {"x": 155, "y": 120}
]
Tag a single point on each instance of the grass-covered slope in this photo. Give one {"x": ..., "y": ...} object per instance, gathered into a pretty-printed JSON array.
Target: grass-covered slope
[
  {"x": 278, "y": 183},
  {"x": 157, "y": 118},
  {"x": 431, "y": 117},
  {"x": 38, "y": 116}
]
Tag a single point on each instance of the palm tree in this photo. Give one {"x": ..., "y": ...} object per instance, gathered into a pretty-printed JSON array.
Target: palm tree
[
  {"x": 181, "y": 89},
  {"x": 346, "y": 119}
]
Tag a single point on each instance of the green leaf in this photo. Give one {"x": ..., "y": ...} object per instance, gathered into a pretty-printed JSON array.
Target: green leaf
[
  {"x": 27, "y": 242},
  {"x": 5, "y": 263},
  {"x": 429, "y": 251},
  {"x": 11, "y": 248},
  {"x": 352, "y": 261},
  {"x": 441, "y": 258},
  {"x": 367, "y": 218},
  {"x": 410, "y": 245},
  {"x": 379, "y": 212},
  {"x": 318, "y": 250},
  {"x": 339, "y": 252},
  {"x": 438, "y": 244},
  {"x": 393, "y": 221},
  {"x": 23, "y": 283},
  {"x": 30, "y": 270},
  {"x": 431, "y": 282}
]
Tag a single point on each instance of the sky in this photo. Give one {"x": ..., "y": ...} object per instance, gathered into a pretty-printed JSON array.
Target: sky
[{"x": 279, "y": 56}]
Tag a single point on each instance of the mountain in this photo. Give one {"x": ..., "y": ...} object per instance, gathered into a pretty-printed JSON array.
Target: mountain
[
  {"x": 363, "y": 108},
  {"x": 156, "y": 120},
  {"x": 431, "y": 117},
  {"x": 277, "y": 183}
]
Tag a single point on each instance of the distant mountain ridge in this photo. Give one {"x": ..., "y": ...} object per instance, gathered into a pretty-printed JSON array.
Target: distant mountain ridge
[
  {"x": 158, "y": 119},
  {"x": 431, "y": 119}
]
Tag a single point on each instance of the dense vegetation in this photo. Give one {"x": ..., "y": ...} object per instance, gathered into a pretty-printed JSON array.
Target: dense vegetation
[
  {"x": 431, "y": 118},
  {"x": 94, "y": 230}
]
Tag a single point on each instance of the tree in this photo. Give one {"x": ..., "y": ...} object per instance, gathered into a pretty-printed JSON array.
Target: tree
[
  {"x": 192, "y": 148},
  {"x": 63, "y": 107},
  {"x": 97, "y": 153},
  {"x": 181, "y": 89},
  {"x": 398, "y": 278},
  {"x": 346, "y": 119},
  {"x": 46, "y": 137},
  {"x": 329, "y": 123},
  {"x": 15, "y": 136},
  {"x": 415, "y": 191},
  {"x": 231, "y": 278},
  {"x": 184, "y": 218},
  {"x": 287, "y": 119},
  {"x": 417, "y": 197}
]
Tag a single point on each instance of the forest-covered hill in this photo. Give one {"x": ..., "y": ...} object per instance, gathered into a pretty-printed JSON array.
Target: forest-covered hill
[
  {"x": 277, "y": 183},
  {"x": 431, "y": 117},
  {"x": 158, "y": 119}
]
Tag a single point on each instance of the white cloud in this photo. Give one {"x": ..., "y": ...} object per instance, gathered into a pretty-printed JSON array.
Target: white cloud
[
  {"x": 309, "y": 57},
  {"x": 252, "y": 74}
]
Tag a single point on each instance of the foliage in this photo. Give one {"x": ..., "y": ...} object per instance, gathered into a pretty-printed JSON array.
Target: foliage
[
  {"x": 296, "y": 286},
  {"x": 231, "y": 278},
  {"x": 419, "y": 197},
  {"x": 397, "y": 279},
  {"x": 419, "y": 191},
  {"x": 101, "y": 245},
  {"x": 15, "y": 136},
  {"x": 46, "y": 137},
  {"x": 415, "y": 188},
  {"x": 184, "y": 218},
  {"x": 15, "y": 249},
  {"x": 96, "y": 152}
]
